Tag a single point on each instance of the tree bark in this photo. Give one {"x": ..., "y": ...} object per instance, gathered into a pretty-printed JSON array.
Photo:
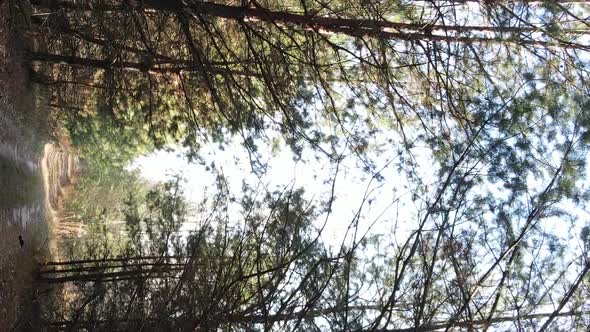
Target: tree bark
[
  {"x": 112, "y": 276},
  {"x": 157, "y": 265},
  {"x": 256, "y": 319},
  {"x": 115, "y": 260},
  {"x": 158, "y": 67},
  {"x": 351, "y": 27}
]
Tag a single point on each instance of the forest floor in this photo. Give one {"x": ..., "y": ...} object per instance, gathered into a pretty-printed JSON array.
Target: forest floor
[
  {"x": 22, "y": 135},
  {"x": 30, "y": 177}
]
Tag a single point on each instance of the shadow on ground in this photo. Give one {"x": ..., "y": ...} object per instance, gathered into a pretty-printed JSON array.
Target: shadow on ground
[{"x": 23, "y": 134}]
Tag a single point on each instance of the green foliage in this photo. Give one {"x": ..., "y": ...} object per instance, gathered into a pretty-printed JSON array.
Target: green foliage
[
  {"x": 105, "y": 142},
  {"x": 101, "y": 193},
  {"x": 153, "y": 220},
  {"x": 483, "y": 128}
]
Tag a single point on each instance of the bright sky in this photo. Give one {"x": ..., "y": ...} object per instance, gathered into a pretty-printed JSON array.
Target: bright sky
[
  {"x": 390, "y": 199},
  {"x": 388, "y": 205},
  {"x": 352, "y": 184}
]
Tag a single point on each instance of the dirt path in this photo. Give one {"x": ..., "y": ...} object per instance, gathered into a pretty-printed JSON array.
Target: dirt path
[
  {"x": 32, "y": 222},
  {"x": 58, "y": 168},
  {"x": 27, "y": 220},
  {"x": 32, "y": 176}
]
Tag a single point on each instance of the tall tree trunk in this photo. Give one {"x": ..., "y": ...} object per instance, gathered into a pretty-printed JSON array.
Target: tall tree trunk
[
  {"x": 158, "y": 67},
  {"x": 97, "y": 268},
  {"x": 255, "y": 319},
  {"x": 122, "y": 259},
  {"x": 352, "y": 27},
  {"x": 101, "y": 276}
]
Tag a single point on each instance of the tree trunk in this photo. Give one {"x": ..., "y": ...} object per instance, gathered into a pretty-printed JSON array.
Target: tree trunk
[
  {"x": 155, "y": 272},
  {"x": 159, "y": 67},
  {"x": 123, "y": 259},
  {"x": 351, "y": 27}
]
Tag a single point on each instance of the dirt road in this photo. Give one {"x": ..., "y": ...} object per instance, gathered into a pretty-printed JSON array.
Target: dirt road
[{"x": 32, "y": 174}]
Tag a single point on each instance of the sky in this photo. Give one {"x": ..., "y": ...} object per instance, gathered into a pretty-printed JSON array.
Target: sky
[
  {"x": 388, "y": 207},
  {"x": 352, "y": 184}
]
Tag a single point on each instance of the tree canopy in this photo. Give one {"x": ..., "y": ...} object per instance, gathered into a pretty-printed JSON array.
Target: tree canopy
[{"x": 474, "y": 113}]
